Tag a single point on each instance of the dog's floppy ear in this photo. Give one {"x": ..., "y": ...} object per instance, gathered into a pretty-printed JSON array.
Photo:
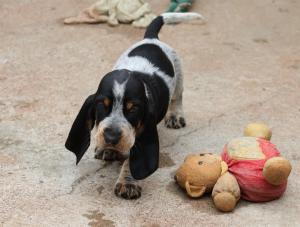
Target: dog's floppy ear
[
  {"x": 144, "y": 155},
  {"x": 78, "y": 139}
]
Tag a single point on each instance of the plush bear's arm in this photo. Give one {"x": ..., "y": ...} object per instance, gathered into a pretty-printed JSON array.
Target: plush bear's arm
[
  {"x": 277, "y": 170},
  {"x": 226, "y": 192}
]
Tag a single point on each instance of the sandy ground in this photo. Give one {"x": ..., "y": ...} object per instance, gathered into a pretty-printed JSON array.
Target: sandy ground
[{"x": 241, "y": 66}]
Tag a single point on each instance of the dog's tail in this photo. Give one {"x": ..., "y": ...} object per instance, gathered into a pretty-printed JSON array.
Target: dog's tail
[{"x": 168, "y": 18}]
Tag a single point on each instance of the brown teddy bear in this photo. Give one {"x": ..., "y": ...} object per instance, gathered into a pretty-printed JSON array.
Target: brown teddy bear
[
  {"x": 206, "y": 172},
  {"x": 251, "y": 168}
]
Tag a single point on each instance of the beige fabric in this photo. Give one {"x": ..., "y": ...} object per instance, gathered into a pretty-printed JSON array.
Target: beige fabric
[
  {"x": 136, "y": 12},
  {"x": 245, "y": 148}
]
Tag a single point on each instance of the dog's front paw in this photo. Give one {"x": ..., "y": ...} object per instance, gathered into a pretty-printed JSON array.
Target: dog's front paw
[
  {"x": 174, "y": 121},
  {"x": 128, "y": 190}
]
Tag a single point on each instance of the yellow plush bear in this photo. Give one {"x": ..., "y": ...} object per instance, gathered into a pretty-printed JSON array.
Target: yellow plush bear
[
  {"x": 206, "y": 172},
  {"x": 249, "y": 167}
]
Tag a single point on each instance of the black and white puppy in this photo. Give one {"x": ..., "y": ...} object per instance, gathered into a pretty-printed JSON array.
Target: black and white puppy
[{"x": 144, "y": 87}]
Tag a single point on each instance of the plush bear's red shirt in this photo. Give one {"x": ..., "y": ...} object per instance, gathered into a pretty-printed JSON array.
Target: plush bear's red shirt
[{"x": 249, "y": 173}]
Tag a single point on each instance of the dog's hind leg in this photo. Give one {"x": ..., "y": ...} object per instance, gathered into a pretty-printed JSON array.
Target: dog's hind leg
[
  {"x": 174, "y": 117},
  {"x": 126, "y": 186}
]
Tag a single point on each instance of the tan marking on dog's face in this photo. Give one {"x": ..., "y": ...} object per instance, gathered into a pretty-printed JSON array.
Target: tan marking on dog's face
[
  {"x": 127, "y": 139},
  {"x": 107, "y": 102},
  {"x": 129, "y": 105},
  {"x": 139, "y": 128}
]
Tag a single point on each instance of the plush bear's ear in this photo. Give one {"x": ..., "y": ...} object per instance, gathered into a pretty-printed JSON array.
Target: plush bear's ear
[
  {"x": 194, "y": 191},
  {"x": 78, "y": 140}
]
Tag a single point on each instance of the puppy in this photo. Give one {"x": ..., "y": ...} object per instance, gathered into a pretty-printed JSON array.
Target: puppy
[{"x": 144, "y": 87}]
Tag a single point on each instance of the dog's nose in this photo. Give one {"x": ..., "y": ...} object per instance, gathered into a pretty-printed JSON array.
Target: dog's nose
[{"x": 112, "y": 135}]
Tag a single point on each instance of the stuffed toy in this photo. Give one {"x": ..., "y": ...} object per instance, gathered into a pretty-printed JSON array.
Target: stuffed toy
[
  {"x": 136, "y": 12},
  {"x": 206, "y": 172},
  {"x": 179, "y": 6},
  {"x": 256, "y": 163},
  {"x": 250, "y": 167}
]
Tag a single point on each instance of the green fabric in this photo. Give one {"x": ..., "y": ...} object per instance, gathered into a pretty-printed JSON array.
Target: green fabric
[{"x": 179, "y": 6}]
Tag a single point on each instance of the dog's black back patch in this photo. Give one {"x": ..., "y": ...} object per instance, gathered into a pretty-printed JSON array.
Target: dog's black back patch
[{"x": 155, "y": 55}]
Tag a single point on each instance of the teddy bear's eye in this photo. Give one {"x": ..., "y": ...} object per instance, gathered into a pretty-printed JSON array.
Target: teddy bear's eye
[
  {"x": 200, "y": 162},
  {"x": 201, "y": 154}
]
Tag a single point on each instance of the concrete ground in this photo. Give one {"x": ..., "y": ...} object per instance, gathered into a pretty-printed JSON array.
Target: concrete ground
[{"x": 243, "y": 65}]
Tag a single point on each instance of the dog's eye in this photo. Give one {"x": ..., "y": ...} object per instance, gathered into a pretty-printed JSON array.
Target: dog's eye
[
  {"x": 105, "y": 102},
  {"x": 130, "y": 106}
]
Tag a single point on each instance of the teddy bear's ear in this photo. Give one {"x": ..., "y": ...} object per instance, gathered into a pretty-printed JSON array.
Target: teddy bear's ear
[{"x": 194, "y": 191}]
